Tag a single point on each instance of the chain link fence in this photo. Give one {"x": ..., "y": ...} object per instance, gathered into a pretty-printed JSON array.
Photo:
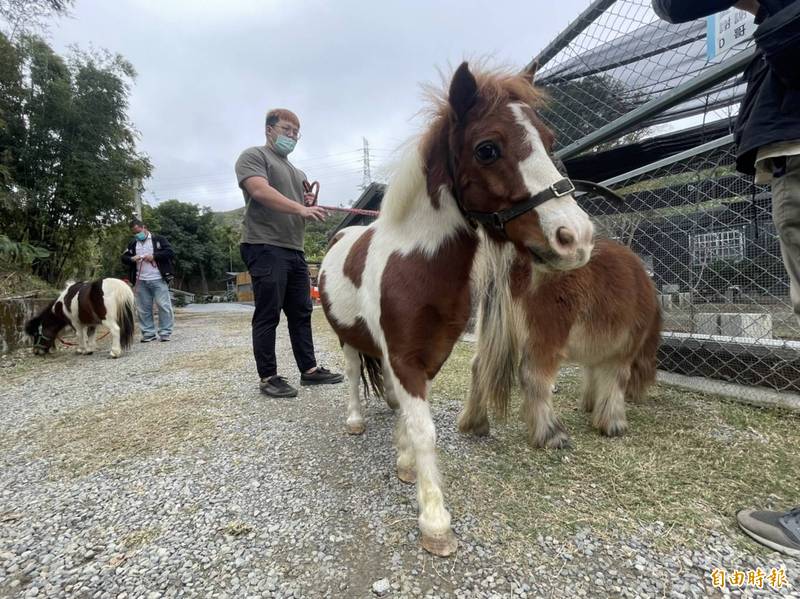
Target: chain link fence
[{"x": 638, "y": 104}]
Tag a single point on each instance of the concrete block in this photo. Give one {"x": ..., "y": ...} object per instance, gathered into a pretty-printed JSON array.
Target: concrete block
[
  {"x": 706, "y": 323},
  {"x": 757, "y": 326}
]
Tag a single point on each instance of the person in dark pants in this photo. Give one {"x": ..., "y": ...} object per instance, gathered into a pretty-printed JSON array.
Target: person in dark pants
[
  {"x": 276, "y": 210},
  {"x": 768, "y": 146}
]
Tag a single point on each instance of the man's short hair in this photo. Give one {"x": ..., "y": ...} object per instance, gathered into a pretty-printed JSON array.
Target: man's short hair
[
  {"x": 277, "y": 114},
  {"x": 135, "y": 222}
]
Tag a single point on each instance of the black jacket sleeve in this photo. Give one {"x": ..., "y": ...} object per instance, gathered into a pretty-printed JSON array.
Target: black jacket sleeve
[
  {"x": 127, "y": 256},
  {"x": 681, "y": 11},
  {"x": 162, "y": 250}
]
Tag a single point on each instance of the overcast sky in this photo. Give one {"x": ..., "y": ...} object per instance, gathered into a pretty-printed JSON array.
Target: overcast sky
[{"x": 208, "y": 71}]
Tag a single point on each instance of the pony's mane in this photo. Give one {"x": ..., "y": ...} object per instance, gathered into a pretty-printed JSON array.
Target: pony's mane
[{"x": 495, "y": 87}]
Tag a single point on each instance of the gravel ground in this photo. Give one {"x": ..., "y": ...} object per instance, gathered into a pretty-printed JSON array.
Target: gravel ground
[{"x": 165, "y": 473}]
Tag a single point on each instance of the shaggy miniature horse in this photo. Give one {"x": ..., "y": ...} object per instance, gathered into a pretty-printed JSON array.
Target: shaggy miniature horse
[
  {"x": 397, "y": 292},
  {"x": 603, "y": 316},
  {"x": 84, "y": 306}
]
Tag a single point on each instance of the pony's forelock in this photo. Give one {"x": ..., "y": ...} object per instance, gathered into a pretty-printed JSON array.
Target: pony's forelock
[{"x": 495, "y": 87}]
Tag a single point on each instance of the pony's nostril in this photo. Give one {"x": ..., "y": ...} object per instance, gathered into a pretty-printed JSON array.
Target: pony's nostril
[{"x": 565, "y": 237}]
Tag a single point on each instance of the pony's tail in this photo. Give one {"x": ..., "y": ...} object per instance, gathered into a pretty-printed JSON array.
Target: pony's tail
[
  {"x": 497, "y": 353},
  {"x": 372, "y": 376},
  {"x": 125, "y": 319},
  {"x": 643, "y": 367}
]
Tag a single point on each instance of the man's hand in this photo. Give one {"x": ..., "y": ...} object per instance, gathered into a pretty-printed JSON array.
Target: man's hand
[
  {"x": 309, "y": 199},
  {"x": 750, "y": 6},
  {"x": 149, "y": 259},
  {"x": 314, "y": 213}
]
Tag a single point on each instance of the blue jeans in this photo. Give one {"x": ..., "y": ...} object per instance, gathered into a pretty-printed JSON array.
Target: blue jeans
[{"x": 148, "y": 292}]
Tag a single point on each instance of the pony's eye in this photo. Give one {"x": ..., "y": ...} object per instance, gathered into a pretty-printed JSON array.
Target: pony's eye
[{"x": 487, "y": 152}]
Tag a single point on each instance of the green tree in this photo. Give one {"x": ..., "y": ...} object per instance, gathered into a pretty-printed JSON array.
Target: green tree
[
  {"x": 24, "y": 16},
  {"x": 580, "y": 107},
  {"x": 316, "y": 240},
  {"x": 200, "y": 243},
  {"x": 68, "y": 159}
]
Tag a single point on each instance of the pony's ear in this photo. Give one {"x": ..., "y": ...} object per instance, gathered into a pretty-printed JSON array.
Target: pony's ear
[
  {"x": 463, "y": 91},
  {"x": 529, "y": 72}
]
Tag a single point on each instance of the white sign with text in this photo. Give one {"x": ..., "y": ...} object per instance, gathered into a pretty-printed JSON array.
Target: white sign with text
[{"x": 726, "y": 29}]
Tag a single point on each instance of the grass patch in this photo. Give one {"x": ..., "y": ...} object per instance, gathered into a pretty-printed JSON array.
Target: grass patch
[
  {"x": 237, "y": 528},
  {"x": 94, "y": 437},
  {"x": 687, "y": 464},
  {"x": 228, "y": 359},
  {"x": 140, "y": 538},
  {"x": 15, "y": 282}
]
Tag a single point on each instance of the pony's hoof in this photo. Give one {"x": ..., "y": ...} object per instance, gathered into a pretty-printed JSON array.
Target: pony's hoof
[
  {"x": 557, "y": 439},
  {"x": 468, "y": 427},
  {"x": 441, "y": 545},
  {"x": 356, "y": 428},
  {"x": 114, "y": 356},
  {"x": 617, "y": 429},
  {"x": 407, "y": 475},
  {"x": 89, "y": 353}
]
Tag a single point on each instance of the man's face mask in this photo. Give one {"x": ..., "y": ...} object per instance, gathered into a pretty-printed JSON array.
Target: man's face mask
[
  {"x": 284, "y": 145},
  {"x": 141, "y": 236}
]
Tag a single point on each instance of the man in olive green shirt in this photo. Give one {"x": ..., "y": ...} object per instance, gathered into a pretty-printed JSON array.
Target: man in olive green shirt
[{"x": 276, "y": 210}]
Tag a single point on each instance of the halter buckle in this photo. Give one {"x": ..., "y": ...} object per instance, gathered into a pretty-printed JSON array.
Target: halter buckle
[{"x": 562, "y": 187}]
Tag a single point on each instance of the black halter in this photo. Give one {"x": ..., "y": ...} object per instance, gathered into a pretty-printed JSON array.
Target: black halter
[
  {"x": 40, "y": 337},
  {"x": 497, "y": 220}
]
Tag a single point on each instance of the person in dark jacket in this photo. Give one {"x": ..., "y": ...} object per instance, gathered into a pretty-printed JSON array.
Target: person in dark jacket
[
  {"x": 149, "y": 259},
  {"x": 768, "y": 146}
]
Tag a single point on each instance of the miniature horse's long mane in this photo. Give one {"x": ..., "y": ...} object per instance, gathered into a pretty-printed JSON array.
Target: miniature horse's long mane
[
  {"x": 495, "y": 87},
  {"x": 422, "y": 169}
]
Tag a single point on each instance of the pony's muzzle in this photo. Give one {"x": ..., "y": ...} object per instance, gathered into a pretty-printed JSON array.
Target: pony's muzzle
[{"x": 573, "y": 245}]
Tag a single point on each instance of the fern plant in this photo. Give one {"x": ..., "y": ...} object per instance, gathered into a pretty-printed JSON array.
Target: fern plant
[{"x": 20, "y": 253}]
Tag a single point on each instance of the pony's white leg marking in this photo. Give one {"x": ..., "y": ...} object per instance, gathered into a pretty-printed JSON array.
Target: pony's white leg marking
[
  {"x": 434, "y": 519},
  {"x": 544, "y": 427},
  {"x": 473, "y": 418},
  {"x": 388, "y": 387},
  {"x": 355, "y": 420},
  {"x": 405, "y": 451},
  {"x": 92, "y": 340},
  {"x": 609, "y": 409},
  {"x": 116, "y": 348},
  {"x": 81, "y": 332}
]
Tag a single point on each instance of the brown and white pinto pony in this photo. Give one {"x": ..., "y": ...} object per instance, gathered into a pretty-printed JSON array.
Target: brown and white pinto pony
[
  {"x": 397, "y": 292},
  {"x": 85, "y": 306},
  {"x": 603, "y": 316}
]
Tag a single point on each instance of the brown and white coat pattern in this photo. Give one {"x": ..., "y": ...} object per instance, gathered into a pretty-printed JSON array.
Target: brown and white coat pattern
[{"x": 398, "y": 291}]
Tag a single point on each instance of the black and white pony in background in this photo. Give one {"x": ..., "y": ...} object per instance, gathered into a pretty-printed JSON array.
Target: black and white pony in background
[{"x": 84, "y": 306}]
